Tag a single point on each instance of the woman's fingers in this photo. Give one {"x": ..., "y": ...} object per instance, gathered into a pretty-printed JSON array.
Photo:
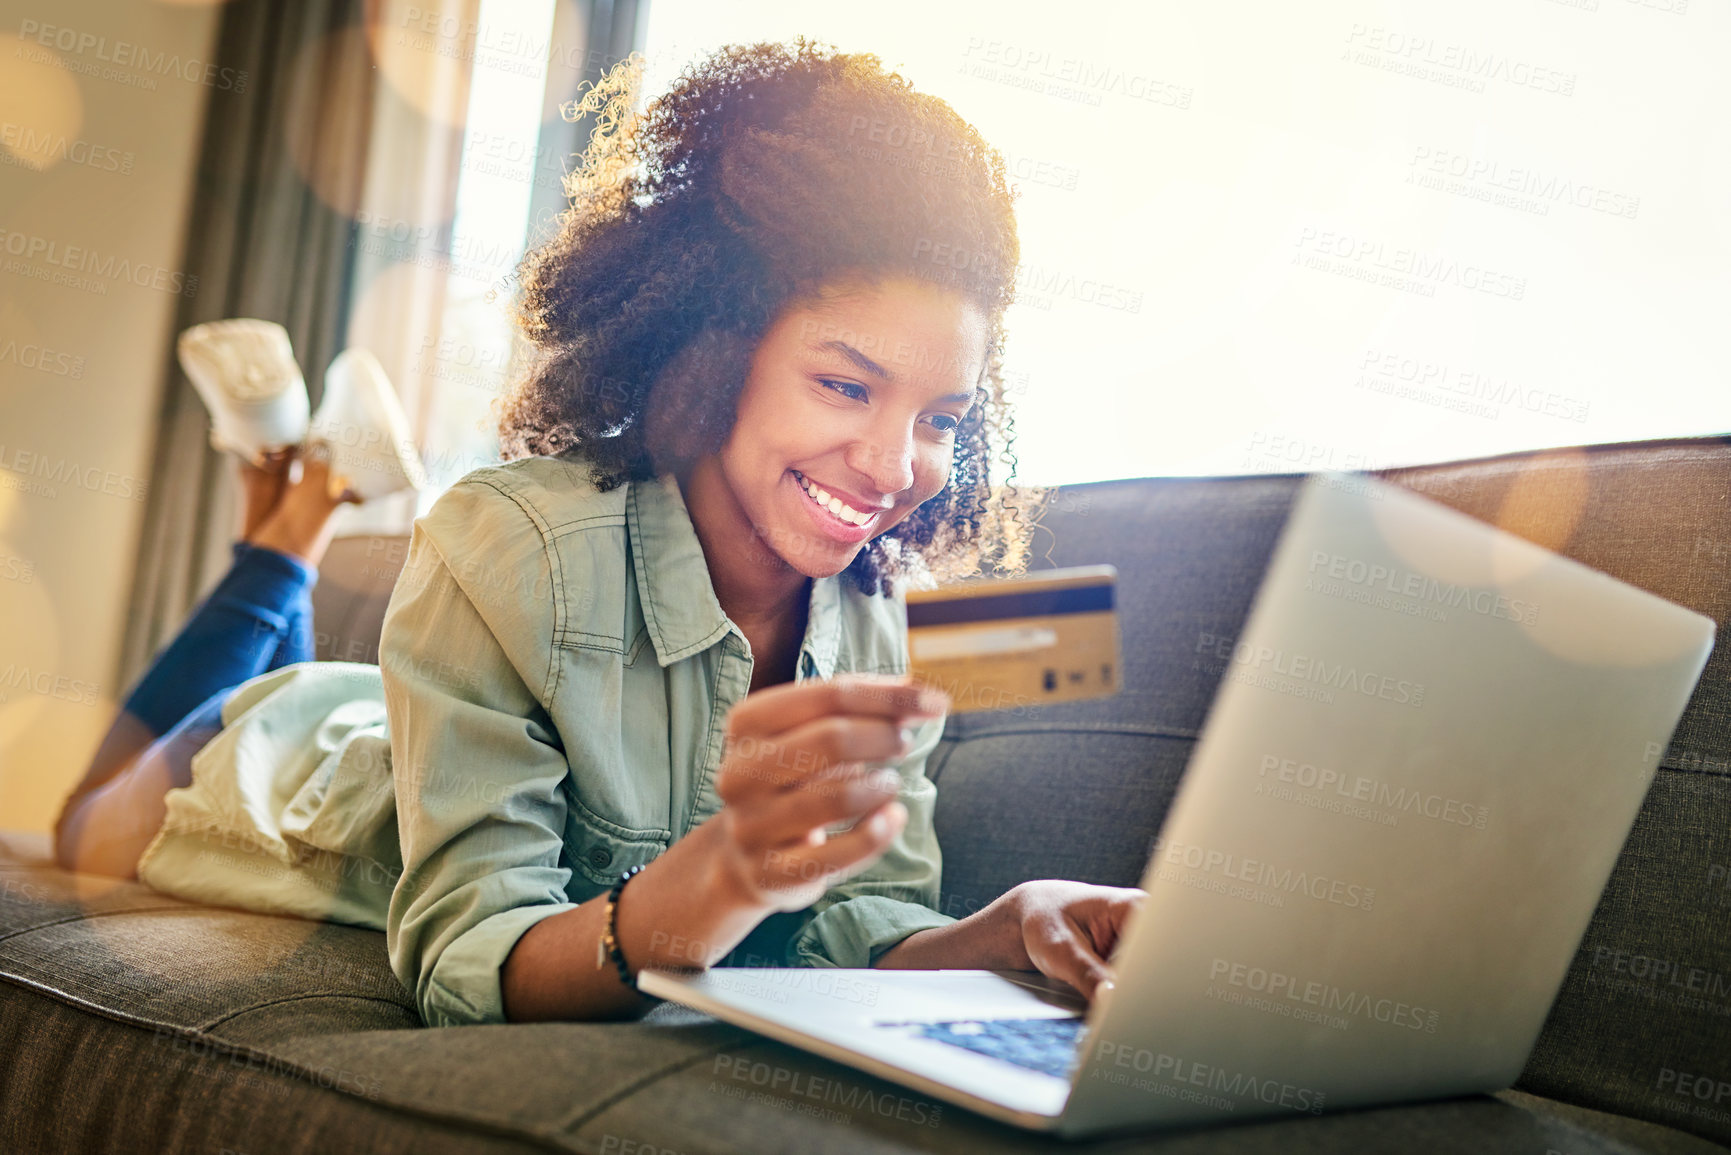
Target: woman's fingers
[
  {"x": 1070, "y": 929},
  {"x": 757, "y": 765},
  {"x": 1107, "y": 928},
  {"x": 777, "y": 709},
  {"x": 795, "y": 763},
  {"x": 814, "y": 869},
  {"x": 792, "y": 815},
  {"x": 1069, "y": 957}
]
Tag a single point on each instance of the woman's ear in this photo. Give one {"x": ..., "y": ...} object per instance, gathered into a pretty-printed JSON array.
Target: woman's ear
[{"x": 692, "y": 404}]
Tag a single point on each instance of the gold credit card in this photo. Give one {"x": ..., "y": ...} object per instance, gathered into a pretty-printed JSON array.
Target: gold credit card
[{"x": 1010, "y": 643}]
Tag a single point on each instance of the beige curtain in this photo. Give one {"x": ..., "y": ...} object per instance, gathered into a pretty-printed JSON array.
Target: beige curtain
[
  {"x": 425, "y": 55},
  {"x": 352, "y": 116},
  {"x": 407, "y": 255}
]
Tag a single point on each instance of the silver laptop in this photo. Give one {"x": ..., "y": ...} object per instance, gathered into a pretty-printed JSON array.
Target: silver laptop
[{"x": 1426, "y": 752}]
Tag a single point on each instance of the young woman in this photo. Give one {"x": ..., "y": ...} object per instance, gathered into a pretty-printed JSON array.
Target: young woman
[{"x": 638, "y": 685}]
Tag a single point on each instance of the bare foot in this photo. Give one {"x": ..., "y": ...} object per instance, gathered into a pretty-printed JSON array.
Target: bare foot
[
  {"x": 300, "y": 524},
  {"x": 264, "y": 486}
]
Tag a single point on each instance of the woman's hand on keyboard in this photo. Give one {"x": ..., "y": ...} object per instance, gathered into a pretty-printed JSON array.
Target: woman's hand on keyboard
[{"x": 1070, "y": 929}]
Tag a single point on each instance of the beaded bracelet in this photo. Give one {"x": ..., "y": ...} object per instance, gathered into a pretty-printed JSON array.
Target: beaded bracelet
[{"x": 608, "y": 947}]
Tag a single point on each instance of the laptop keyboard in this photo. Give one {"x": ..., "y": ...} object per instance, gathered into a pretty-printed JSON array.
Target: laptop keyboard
[{"x": 1045, "y": 1045}]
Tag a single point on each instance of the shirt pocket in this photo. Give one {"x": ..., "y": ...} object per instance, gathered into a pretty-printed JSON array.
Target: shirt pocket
[
  {"x": 601, "y": 851},
  {"x": 613, "y": 722}
]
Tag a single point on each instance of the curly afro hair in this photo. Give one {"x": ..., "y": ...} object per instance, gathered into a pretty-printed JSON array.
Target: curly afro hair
[{"x": 766, "y": 174}]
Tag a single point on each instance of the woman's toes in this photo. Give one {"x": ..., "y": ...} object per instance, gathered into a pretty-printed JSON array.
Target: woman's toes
[
  {"x": 321, "y": 477},
  {"x": 338, "y": 488},
  {"x": 301, "y": 523}
]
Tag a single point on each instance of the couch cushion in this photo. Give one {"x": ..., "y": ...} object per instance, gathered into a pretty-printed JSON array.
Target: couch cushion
[
  {"x": 1078, "y": 791},
  {"x": 132, "y": 1021},
  {"x": 356, "y": 577},
  {"x": 1015, "y": 786},
  {"x": 1643, "y": 1023},
  {"x": 141, "y": 954},
  {"x": 189, "y": 1028}
]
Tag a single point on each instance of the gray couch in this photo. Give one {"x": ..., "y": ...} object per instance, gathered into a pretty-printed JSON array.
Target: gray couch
[{"x": 134, "y": 1022}]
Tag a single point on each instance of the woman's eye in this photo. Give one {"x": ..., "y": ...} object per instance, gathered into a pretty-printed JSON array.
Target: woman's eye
[
  {"x": 840, "y": 386},
  {"x": 862, "y": 394}
]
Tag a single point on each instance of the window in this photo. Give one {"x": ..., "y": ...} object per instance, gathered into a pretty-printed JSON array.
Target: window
[
  {"x": 1271, "y": 238},
  {"x": 465, "y": 150},
  {"x": 489, "y": 238},
  {"x": 489, "y": 233}
]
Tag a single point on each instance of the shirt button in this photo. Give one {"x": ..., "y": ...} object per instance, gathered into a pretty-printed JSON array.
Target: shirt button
[{"x": 600, "y": 858}]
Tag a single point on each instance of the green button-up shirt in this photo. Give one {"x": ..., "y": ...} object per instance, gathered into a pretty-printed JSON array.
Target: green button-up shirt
[{"x": 548, "y": 711}]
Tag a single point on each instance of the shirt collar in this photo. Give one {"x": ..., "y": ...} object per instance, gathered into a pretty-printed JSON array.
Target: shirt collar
[{"x": 680, "y": 608}]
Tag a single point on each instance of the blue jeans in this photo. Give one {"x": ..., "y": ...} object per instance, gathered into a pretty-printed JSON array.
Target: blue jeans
[{"x": 258, "y": 618}]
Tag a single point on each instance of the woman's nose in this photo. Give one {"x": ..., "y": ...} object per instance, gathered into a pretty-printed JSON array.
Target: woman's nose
[{"x": 888, "y": 459}]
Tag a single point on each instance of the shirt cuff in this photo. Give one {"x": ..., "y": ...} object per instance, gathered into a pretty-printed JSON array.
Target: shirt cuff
[
  {"x": 467, "y": 985},
  {"x": 854, "y": 933}
]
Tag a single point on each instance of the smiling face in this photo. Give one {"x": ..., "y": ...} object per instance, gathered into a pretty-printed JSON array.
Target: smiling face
[{"x": 845, "y": 426}]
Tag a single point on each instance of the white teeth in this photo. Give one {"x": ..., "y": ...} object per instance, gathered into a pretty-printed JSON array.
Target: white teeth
[{"x": 834, "y": 504}]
